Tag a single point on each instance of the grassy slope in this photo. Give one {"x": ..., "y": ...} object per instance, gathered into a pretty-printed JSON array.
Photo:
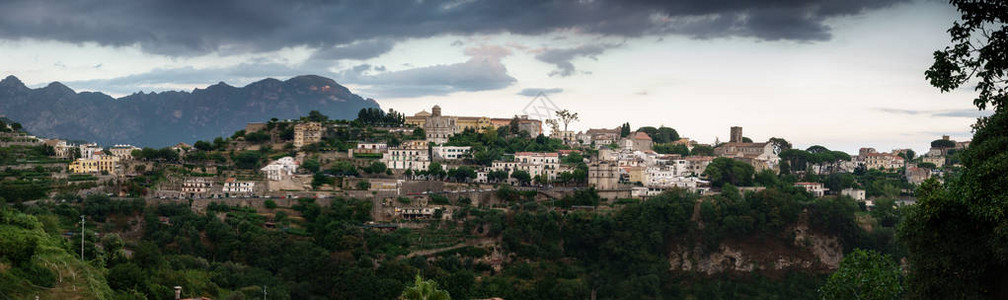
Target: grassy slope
[{"x": 75, "y": 279}]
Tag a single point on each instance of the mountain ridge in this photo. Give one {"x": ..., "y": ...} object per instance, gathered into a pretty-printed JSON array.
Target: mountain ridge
[{"x": 159, "y": 119}]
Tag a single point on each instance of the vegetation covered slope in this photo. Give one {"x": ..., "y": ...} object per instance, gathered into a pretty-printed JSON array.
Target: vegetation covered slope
[{"x": 35, "y": 261}]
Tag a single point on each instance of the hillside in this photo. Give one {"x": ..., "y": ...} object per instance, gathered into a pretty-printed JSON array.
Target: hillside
[
  {"x": 34, "y": 262},
  {"x": 166, "y": 118}
]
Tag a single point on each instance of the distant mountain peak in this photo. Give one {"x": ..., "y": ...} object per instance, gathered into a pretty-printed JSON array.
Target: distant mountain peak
[
  {"x": 58, "y": 87},
  {"x": 13, "y": 82},
  {"x": 166, "y": 118}
]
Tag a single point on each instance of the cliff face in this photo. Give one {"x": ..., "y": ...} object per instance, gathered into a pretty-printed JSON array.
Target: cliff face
[
  {"x": 807, "y": 252},
  {"x": 166, "y": 118}
]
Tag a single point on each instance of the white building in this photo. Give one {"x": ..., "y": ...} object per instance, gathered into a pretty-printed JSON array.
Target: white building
[
  {"x": 371, "y": 148},
  {"x": 89, "y": 151},
  {"x": 280, "y": 169},
  {"x": 815, "y": 188},
  {"x": 233, "y": 187},
  {"x": 450, "y": 152},
  {"x": 856, "y": 194},
  {"x": 411, "y": 155},
  {"x": 535, "y": 163}
]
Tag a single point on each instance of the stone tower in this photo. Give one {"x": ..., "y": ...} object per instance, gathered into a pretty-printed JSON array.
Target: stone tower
[
  {"x": 436, "y": 111},
  {"x": 736, "y": 134}
]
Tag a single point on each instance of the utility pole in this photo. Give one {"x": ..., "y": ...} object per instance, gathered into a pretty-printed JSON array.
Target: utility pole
[{"x": 82, "y": 237}]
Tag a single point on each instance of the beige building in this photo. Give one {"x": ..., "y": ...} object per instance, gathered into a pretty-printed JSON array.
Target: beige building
[
  {"x": 307, "y": 133},
  {"x": 603, "y": 175},
  {"x": 938, "y": 161},
  {"x": 880, "y": 161},
  {"x": 95, "y": 164},
  {"x": 439, "y": 127},
  {"x": 123, "y": 152}
]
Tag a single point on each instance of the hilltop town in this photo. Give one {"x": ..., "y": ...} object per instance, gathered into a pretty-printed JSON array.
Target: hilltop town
[
  {"x": 386, "y": 156},
  {"x": 432, "y": 188}
]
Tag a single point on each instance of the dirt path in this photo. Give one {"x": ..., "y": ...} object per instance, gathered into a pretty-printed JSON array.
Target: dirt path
[{"x": 476, "y": 242}]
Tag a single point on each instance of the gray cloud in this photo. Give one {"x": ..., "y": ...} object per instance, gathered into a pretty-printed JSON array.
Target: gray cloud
[
  {"x": 532, "y": 92},
  {"x": 350, "y": 29},
  {"x": 483, "y": 71},
  {"x": 561, "y": 58},
  {"x": 357, "y": 50},
  {"x": 946, "y": 113}
]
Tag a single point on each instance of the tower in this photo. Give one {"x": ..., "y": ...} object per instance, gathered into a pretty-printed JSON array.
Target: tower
[
  {"x": 436, "y": 111},
  {"x": 736, "y": 134}
]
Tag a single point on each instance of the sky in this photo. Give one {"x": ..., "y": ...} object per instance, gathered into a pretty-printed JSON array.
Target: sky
[{"x": 842, "y": 74}]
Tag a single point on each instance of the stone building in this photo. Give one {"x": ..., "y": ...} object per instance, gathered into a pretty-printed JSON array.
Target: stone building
[
  {"x": 439, "y": 128},
  {"x": 603, "y": 175},
  {"x": 123, "y": 152},
  {"x": 761, "y": 156},
  {"x": 307, "y": 133}
]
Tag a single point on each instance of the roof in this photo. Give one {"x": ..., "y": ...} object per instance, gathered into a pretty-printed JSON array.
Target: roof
[
  {"x": 641, "y": 136},
  {"x": 549, "y": 154},
  {"x": 807, "y": 183}
]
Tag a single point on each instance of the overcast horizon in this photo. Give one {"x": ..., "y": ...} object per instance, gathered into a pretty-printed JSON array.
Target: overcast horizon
[{"x": 842, "y": 74}]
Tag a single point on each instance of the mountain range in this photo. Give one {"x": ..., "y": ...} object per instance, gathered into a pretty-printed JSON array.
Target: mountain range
[{"x": 166, "y": 118}]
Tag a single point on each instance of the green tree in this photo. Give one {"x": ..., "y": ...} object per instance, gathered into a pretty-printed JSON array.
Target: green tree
[
  {"x": 979, "y": 41},
  {"x": 316, "y": 116},
  {"x": 436, "y": 170},
  {"x": 726, "y": 170},
  {"x": 419, "y": 134},
  {"x": 956, "y": 235},
  {"x": 864, "y": 274},
  {"x": 424, "y": 290},
  {"x": 566, "y": 117},
  {"x": 523, "y": 177},
  {"x": 203, "y": 146},
  {"x": 942, "y": 143},
  {"x": 702, "y": 150},
  {"x": 311, "y": 165}
]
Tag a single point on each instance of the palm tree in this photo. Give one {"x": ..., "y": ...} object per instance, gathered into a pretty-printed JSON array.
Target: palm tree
[{"x": 424, "y": 290}]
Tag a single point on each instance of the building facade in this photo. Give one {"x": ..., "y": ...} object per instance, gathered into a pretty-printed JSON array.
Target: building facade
[
  {"x": 411, "y": 155},
  {"x": 281, "y": 169},
  {"x": 95, "y": 164},
  {"x": 307, "y": 133},
  {"x": 451, "y": 152},
  {"x": 603, "y": 175}
]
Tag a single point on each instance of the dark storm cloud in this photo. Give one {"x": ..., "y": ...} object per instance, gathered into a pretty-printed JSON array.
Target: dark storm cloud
[
  {"x": 532, "y": 92},
  {"x": 355, "y": 28},
  {"x": 561, "y": 58},
  {"x": 356, "y": 50}
]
